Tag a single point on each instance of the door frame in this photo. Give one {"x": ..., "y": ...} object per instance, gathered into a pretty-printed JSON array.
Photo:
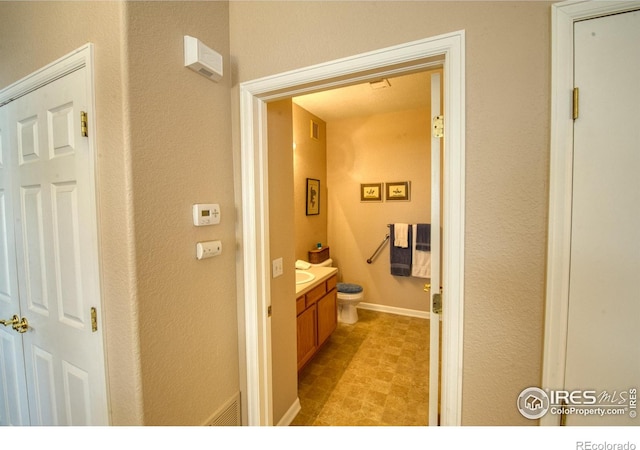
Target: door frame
[
  {"x": 253, "y": 256},
  {"x": 81, "y": 58},
  {"x": 563, "y": 16}
]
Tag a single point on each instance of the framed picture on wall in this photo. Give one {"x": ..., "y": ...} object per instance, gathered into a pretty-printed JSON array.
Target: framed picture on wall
[
  {"x": 398, "y": 190},
  {"x": 371, "y": 192},
  {"x": 313, "y": 197}
]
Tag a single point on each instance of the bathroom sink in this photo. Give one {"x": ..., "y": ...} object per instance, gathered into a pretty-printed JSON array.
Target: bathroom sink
[{"x": 302, "y": 276}]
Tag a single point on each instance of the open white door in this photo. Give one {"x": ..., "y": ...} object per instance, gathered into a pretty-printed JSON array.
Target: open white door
[
  {"x": 592, "y": 307},
  {"x": 602, "y": 335},
  {"x": 51, "y": 162},
  {"x": 435, "y": 294}
]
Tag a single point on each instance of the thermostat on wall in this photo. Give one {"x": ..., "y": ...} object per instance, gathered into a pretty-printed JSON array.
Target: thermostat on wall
[{"x": 206, "y": 214}]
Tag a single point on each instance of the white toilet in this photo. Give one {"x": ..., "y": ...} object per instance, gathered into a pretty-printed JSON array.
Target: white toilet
[{"x": 349, "y": 295}]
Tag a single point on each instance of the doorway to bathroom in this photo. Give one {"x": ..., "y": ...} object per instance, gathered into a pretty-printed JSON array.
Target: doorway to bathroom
[
  {"x": 260, "y": 294},
  {"x": 368, "y": 136}
]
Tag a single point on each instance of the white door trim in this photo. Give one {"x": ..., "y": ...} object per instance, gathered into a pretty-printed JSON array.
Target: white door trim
[
  {"x": 563, "y": 15},
  {"x": 254, "y": 267}
]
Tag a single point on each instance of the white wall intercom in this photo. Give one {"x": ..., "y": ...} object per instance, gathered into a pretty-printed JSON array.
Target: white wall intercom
[{"x": 202, "y": 59}]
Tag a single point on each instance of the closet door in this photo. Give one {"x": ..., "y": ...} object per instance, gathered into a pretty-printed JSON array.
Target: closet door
[
  {"x": 51, "y": 197},
  {"x": 14, "y": 408},
  {"x": 604, "y": 311}
]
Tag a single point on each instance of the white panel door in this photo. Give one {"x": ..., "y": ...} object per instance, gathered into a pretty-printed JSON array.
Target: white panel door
[
  {"x": 14, "y": 408},
  {"x": 603, "y": 351},
  {"x": 56, "y": 253}
]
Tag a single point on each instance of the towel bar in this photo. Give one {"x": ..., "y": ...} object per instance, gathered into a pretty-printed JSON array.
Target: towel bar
[{"x": 384, "y": 241}]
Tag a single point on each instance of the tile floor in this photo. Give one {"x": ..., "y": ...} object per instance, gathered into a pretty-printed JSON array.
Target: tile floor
[{"x": 374, "y": 372}]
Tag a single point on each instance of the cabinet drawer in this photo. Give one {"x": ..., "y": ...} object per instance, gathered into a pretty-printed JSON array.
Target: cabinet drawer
[
  {"x": 300, "y": 305},
  {"x": 314, "y": 294}
]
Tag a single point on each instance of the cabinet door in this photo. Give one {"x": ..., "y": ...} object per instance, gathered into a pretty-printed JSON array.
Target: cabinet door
[
  {"x": 307, "y": 336},
  {"x": 327, "y": 316}
]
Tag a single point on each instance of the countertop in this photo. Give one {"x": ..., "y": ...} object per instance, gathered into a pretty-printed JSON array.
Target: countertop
[{"x": 321, "y": 273}]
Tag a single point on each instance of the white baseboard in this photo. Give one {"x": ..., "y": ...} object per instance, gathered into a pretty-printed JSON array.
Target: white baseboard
[
  {"x": 395, "y": 310},
  {"x": 291, "y": 414}
]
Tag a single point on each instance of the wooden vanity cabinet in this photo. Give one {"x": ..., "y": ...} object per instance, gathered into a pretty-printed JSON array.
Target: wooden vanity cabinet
[
  {"x": 317, "y": 318},
  {"x": 307, "y": 332},
  {"x": 327, "y": 314}
]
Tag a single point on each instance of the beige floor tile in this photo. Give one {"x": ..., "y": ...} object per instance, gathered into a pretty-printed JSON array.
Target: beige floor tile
[{"x": 372, "y": 373}]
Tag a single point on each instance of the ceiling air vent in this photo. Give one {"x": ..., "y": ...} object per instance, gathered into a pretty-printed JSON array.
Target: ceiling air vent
[
  {"x": 380, "y": 84},
  {"x": 315, "y": 130}
]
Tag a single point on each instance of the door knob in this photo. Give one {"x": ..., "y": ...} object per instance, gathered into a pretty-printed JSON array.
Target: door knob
[
  {"x": 427, "y": 287},
  {"x": 20, "y": 325}
]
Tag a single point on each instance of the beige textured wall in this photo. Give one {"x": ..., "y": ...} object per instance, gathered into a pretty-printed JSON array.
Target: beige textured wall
[
  {"x": 32, "y": 35},
  {"x": 310, "y": 161},
  {"x": 181, "y": 155},
  {"x": 283, "y": 297},
  {"x": 164, "y": 143},
  {"x": 507, "y": 133},
  {"x": 379, "y": 148}
]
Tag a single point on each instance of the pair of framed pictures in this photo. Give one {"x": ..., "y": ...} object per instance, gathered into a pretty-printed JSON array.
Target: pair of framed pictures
[{"x": 394, "y": 191}]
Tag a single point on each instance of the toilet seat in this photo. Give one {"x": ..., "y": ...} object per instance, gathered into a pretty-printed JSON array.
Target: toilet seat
[{"x": 349, "y": 288}]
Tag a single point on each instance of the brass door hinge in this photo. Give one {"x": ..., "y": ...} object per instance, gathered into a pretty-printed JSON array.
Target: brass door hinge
[
  {"x": 84, "y": 127},
  {"x": 576, "y": 103},
  {"x": 438, "y": 126},
  {"x": 94, "y": 320},
  {"x": 269, "y": 311}
]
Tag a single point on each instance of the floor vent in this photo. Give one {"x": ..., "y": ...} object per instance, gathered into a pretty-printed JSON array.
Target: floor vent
[{"x": 228, "y": 415}]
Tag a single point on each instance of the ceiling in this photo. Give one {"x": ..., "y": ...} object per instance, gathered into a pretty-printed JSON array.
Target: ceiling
[{"x": 405, "y": 92}]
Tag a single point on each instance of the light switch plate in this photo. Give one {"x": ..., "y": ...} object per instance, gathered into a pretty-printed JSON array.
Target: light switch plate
[{"x": 277, "y": 267}]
